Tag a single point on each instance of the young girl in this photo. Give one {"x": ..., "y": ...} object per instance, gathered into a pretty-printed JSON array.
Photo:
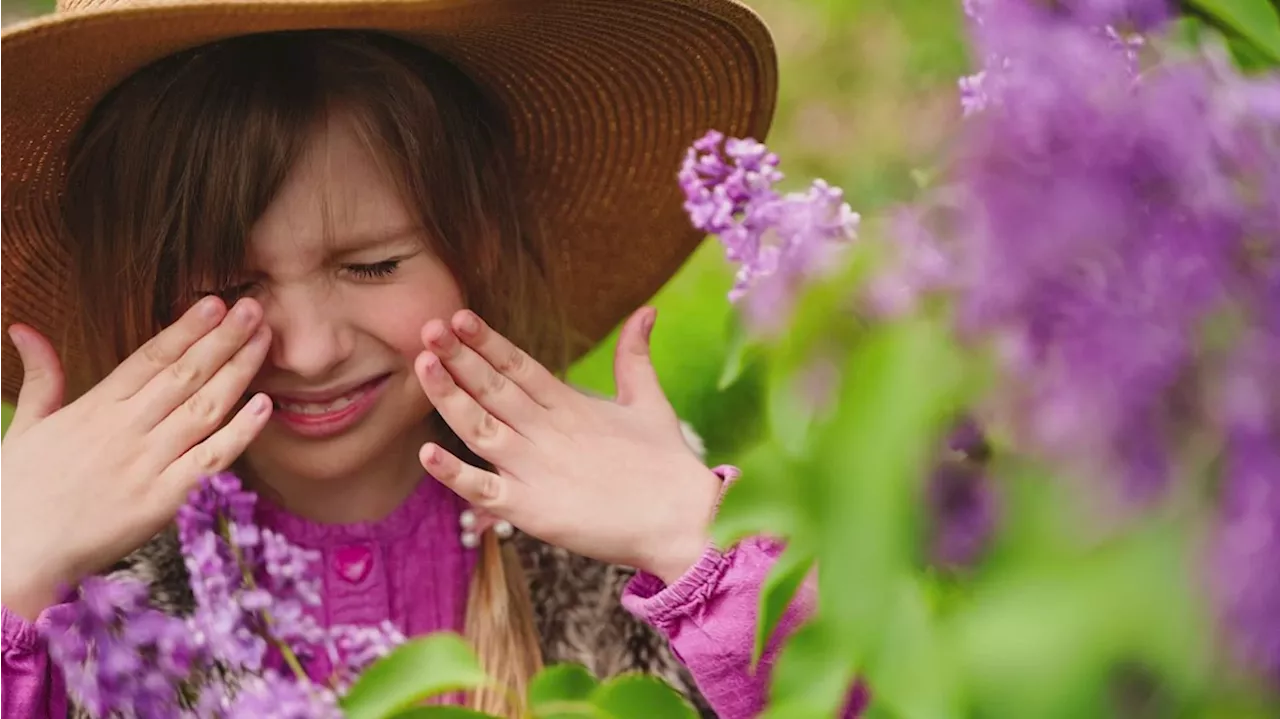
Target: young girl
[{"x": 331, "y": 259}]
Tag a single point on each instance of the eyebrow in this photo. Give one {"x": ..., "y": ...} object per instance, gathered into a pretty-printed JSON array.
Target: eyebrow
[{"x": 353, "y": 244}]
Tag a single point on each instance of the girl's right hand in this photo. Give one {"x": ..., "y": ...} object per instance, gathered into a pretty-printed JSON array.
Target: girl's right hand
[{"x": 86, "y": 484}]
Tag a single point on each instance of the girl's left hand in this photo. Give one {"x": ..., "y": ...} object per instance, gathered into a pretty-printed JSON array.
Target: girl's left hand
[{"x": 613, "y": 480}]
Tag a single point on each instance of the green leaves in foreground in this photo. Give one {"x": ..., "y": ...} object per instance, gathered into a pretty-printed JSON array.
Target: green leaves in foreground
[
  {"x": 1256, "y": 22},
  {"x": 396, "y": 686},
  {"x": 419, "y": 669},
  {"x": 569, "y": 691}
]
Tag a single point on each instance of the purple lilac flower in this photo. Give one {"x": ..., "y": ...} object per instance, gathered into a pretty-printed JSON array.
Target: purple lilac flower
[
  {"x": 1098, "y": 225},
  {"x": 1247, "y": 541},
  {"x": 253, "y": 590},
  {"x": 353, "y": 648},
  {"x": 117, "y": 654},
  {"x": 779, "y": 241},
  {"x": 963, "y": 502},
  {"x": 963, "y": 511},
  {"x": 233, "y": 613},
  {"x": 269, "y": 696},
  {"x": 997, "y": 71},
  {"x": 1092, "y": 229}
]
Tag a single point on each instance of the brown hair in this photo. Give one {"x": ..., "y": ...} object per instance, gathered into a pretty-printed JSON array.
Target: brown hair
[{"x": 174, "y": 168}]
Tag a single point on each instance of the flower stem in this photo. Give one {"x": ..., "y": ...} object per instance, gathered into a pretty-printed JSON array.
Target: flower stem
[{"x": 286, "y": 651}]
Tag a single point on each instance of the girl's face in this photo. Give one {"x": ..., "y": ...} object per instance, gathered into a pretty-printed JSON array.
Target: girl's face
[{"x": 346, "y": 283}]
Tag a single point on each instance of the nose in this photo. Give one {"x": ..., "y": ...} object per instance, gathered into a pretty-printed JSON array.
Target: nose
[{"x": 310, "y": 336}]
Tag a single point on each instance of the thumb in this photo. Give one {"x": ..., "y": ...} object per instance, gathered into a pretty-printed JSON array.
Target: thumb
[
  {"x": 633, "y": 371},
  {"x": 42, "y": 379}
]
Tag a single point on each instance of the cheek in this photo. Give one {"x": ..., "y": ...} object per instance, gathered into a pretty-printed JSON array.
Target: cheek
[{"x": 400, "y": 311}]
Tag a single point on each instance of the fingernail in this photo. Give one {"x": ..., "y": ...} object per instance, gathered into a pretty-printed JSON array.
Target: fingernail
[
  {"x": 503, "y": 529},
  {"x": 208, "y": 307},
  {"x": 244, "y": 312},
  {"x": 19, "y": 338},
  {"x": 467, "y": 520},
  {"x": 470, "y": 540},
  {"x": 260, "y": 404},
  {"x": 469, "y": 323},
  {"x": 648, "y": 323}
]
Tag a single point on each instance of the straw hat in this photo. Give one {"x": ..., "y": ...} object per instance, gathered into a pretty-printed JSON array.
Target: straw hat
[{"x": 604, "y": 96}]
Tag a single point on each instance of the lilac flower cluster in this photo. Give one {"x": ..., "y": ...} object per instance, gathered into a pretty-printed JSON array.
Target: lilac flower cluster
[
  {"x": 999, "y": 74},
  {"x": 779, "y": 241},
  {"x": 1115, "y": 237},
  {"x": 253, "y": 593},
  {"x": 117, "y": 655}
]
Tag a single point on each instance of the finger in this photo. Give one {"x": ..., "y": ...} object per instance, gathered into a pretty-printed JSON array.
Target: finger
[
  {"x": 481, "y": 488},
  {"x": 486, "y": 435},
  {"x": 43, "y": 381},
  {"x": 189, "y": 372},
  {"x": 215, "y": 454},
  {"x": 477, "y": 377},
  {"x": 203, "y": 412},
  {"x": 509, "y": 360},
  {"x": 636, "y": 379},
  {"x": 164, "y": 349}
]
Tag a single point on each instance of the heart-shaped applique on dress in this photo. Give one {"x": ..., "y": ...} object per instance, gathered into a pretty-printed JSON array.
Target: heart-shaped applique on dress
[{"x": 353, "y": 563}]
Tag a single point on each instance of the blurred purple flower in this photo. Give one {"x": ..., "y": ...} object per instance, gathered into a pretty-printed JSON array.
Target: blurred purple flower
[
  {"x": 1094, "y": 226},
  {"x": 1101, "y": 227},
  {"x": 355, "y": 648},
  {"x": 963, "y": 511},
  {"x": 779, "y": 241},
  {"x": 117, "y": 654},
  {"x": 962, "y": 500},
  {"x": 1098, "y": 18},
  {"x": 269, "y": 696}
]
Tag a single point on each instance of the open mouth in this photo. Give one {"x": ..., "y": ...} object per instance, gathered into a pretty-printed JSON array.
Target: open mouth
[{"x": 328, "y": 416}]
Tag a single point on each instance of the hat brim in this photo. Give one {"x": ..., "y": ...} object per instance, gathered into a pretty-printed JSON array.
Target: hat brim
[{"x": 603, "y": 96}]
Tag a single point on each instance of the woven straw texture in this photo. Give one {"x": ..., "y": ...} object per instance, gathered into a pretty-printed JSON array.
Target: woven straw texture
[{"x": 604, "y": 97}]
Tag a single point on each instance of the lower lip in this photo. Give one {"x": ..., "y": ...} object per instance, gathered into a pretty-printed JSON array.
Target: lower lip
[{"x": 336, "y": 422}]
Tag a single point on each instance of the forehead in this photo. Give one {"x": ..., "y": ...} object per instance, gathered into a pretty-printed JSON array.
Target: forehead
[{"x": 338, "y": 198}]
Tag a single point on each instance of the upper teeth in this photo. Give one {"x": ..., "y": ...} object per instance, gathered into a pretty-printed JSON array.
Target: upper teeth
[{"x": 316, "y": 407}]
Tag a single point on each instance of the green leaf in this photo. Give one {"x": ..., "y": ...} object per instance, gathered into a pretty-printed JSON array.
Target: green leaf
[
  {"x": 640, "y": 696},
  {"x": 765, "y": 500},
  {"x": 1042, "y": 638},
  {"x": 911, "y": 674},
  {"x": 793, "y": 710},
  {"x": 741, "y": 352},
  {"x": 559, "y": 684},
  {"x": 901, "y": 386},
  {"x": 779, "y": 588},
  {"x": 440, "y": 712},
  {"x": 1254, "y": 20},
  {"x": 814, "y": 673},
  {"x": 428, "y": 666}
]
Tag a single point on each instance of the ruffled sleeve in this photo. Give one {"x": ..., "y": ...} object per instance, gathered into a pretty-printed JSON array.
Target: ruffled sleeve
[{"x": 709, "y": 616}]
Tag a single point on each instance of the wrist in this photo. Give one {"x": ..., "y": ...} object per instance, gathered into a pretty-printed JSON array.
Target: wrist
[
  {"x": 28, "y": 599},
  {"x": 679, "y": 550},
  {"x": 28, "y": 593}
]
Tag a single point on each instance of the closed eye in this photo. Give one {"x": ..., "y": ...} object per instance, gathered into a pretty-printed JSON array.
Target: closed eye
[{"x": 376, "y": 270}]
